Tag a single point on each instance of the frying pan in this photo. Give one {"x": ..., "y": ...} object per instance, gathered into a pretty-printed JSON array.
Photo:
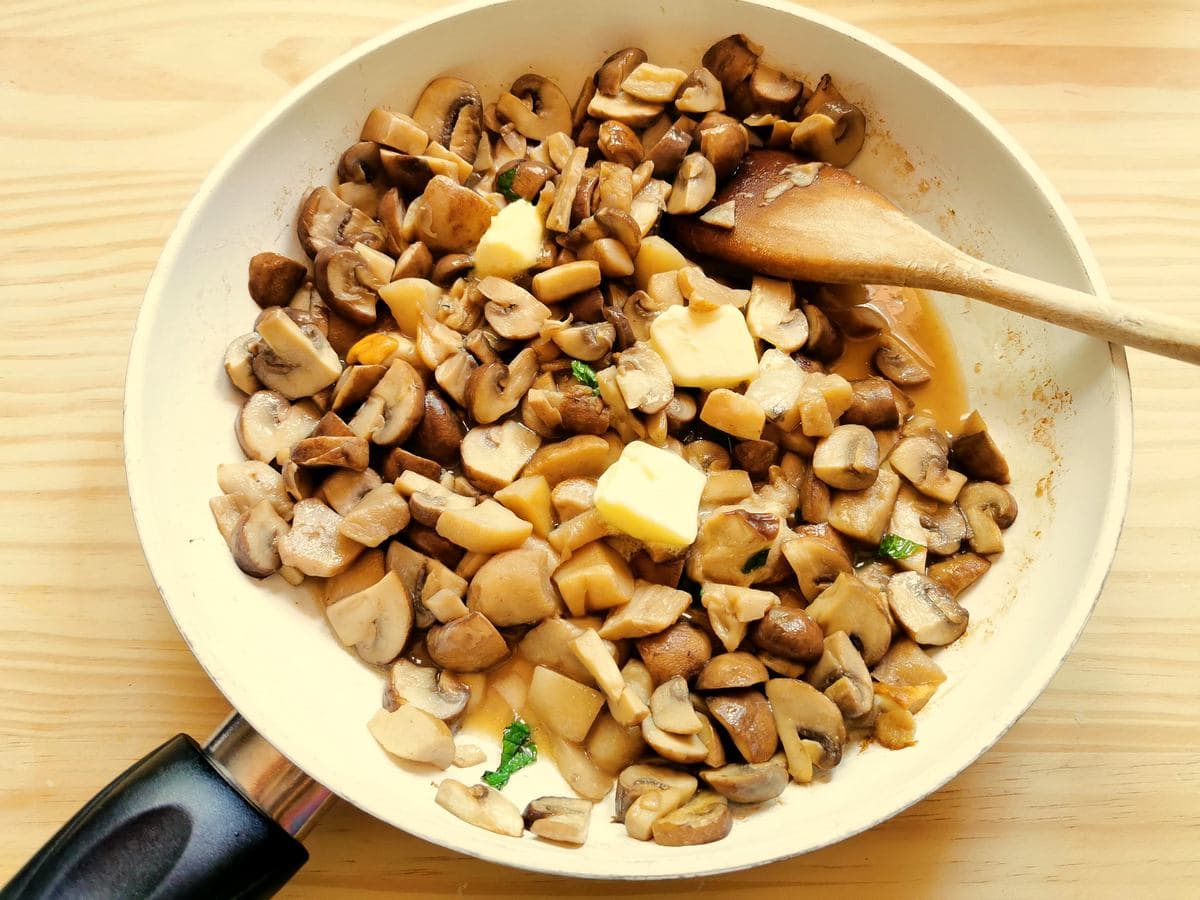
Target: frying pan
[{"x": 223, "y": 820}]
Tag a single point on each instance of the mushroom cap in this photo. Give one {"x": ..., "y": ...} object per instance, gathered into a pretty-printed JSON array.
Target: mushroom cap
[
  {"x": 469, "y": 644},
  {"x": 345, "y": 281},
  {"x": 746, "y": 717},
  {"x": 451, "y": 218},
  {"x": 849, "y": 605},
  {"x": 843, "y": 677},
  {"x": 274, "y": 279},
  {"x": 296, "y": 360},
  {"x": 254, "y": 538},
  {"x": 514, "y": 588},
  {"x": 511, "y": 310},
  {"x": 802, "y": 713},
  {"x": 682, "y": 650},
  {"x": 695, "y": 185},
  {"x": 988, "y": 509},
  {"x": 748, "y": 782},
  {"x": 847, "y": 458},
  {"x": 268, "y": 426},
  {"x": 789, "y": 632},
  {"x": 451, "y": 112}
]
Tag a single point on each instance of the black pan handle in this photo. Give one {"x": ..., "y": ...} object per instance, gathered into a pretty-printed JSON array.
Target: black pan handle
[{"x": 184, "y": 822}]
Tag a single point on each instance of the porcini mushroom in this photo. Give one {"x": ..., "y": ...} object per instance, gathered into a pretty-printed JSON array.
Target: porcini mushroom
[
  {"x": 468, "y": 644},
  {"x": 514, "y": 588},
  {"x": 451, "y": 218},
  {"x": 345, "y": 281},
  {"x": 682, "y": 650}
]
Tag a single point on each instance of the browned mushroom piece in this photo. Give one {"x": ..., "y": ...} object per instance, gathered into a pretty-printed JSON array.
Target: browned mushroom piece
[
  {"x": 451, "y": 113},
  {"x": 723, "y": 141},
  {"x": 732, "y": 61},
  {"x": 988, "y": 509},
  {"x": 849, "y": 605},
  {"x": 847, "y": 458},
  {"x": 468, "y": 644},
  {"x": 925, "y": 609},
  {"x": 451, "y": 218},
  {"x": 842, "y": 676},
  {"x": 789, "y": 632},
  {"x": 536, "y": 107},
  {"x": 958, "y": 573},
  {"x": 682, "y": 651},
  {"x": 923, "y": 462},
  {"x": 346, "y": 283},
  {"x": 825, "y": 342},
  {"x": 810, "y": 725},
  {"x": 274, "y": 279},
  {"x": 394, "y": 407},
  {"x": 511, "y": 310},
  {"x": 254, "y": 537},
  {"x": 493, "y": 456},
  {"x": 731, "y": 671},
  {"x": 975, "y": 453},
  {"x": 239, "y": 363},
  {"x": 702, "y": 820},
  {"x": 700, "y": 93},
  {"x": 339, "y": 451},
  {"x": 695, "y": 184},
  {"x": 842, "y": 139},
  {"x": 874, "y": 404},
  {"x": 495, "y": 389},
  {"x": 588, "y": 342},
  {"x": 746, "y": 717},
  {"x": 899, "y": 364},
  {"x": 749, "y": 782},
  {"x": 668, "y": 152},
  {"x": 359, "y": 163},
  {"x": 327, "y": 219},
  {"x": 528, "y": 178},
  {"x": 619, "y": 143}
]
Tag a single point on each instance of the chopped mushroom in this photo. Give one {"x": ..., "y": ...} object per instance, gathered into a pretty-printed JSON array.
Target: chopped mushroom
[
  {"x": 486, "y": 528},
  {"x": 452, "y": 218},
  {"x": 849, "y": 605},
  {"x": 376, "y": 621},
  {"x": 239, "y": 363},
  {"x": 806, "y": 718},
  {"x": 254, "y": 538},
  {"x": 790, "y": 633},
  {"x": 439, "y": 693},
  {"x": 925, "y": 609},
  {"x": 847, "y": 458},
  {"x": 748, "y": 782},
  {"x": 700, "y": 93},
  {"x": 274, "y": 279},
  {"x": 843, "y": 677},
  {"x": 727, "y": 671},
  {"x": 536, "y": 107},
  {"x": 976, "y": 454},
  {"x": 469, "y": 644},
  {"x": 694, "y": 186},
  {"x": 651, "y": 609},
  {"x": 563, "y": 819},
  {"x": 672, "y": 709},
  {"x": 294, "y": 360},
  {"x": 394, "y": 407},
  {"x": 702, "y": 820},
  {"x": 643, "y": 379},
  {"x": 958, "y": 573},
  {"x": 565, "y": 706},
  {"x": 682, "y": 650},
  {"x": 480, "y": 805},
  {"x": 747, "y": 719},
  {"x": 450, "y": 112},
  {"x": 511, "y": 310},
  {"x": 412, "y": 733},
  {"x": 924, "y": 464},
  {"x": 493, "y": 456},
  {"x": 514, "y": 587},
  {"x": 495, "y": 389}
]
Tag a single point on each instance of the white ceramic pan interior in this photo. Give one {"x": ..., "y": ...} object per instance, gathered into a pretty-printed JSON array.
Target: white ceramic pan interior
[{"x": 1057, "y": 403}]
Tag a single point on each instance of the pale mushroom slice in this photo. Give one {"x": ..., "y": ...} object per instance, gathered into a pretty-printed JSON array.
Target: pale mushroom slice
[
  {"x": 988, "y": 509},
  {"x": 672, "y": 708},
  {"x": 925, "y": 465},
  {"x": 380, "y": 514},
  {"x": 376, "y": 621},
  {"x": 394, "y": 407},
  {"x": 450, "y": 112},
  {"x": 295, "y": 360},
  {"x": 727, "y": 671},
  {"x": 646, "y": 793},
  {"x": 254, "y": 540},
  {"x": 495, "y": 389},
  {"x": 772, "y": 316},
  {"x": 493, "y": 456},
  {"x": 680, "y": 748},
  {"x": 511, "y": 310},
  {"x": 644, "y": 379},
  {"x": 810, "y": 726},
  {"x": 536, "y": 107},
  {"x": 816, "y": 563},
  {"x": 563, "y": 819},
  {"x": 849, "y": 605},
  {"x": 239, "y": 362},
  {"x": 255, "y": 481},
  {"x": 514, "y": 587},
  {"x": 925, "y": 609},
  {"x": 613, "y": 746},
  {"x": 314, "y": 545},
  {"x": 694, "y": 186},
  {"x": 413, "y": 734},
  {"x": 651, "y": 609},
  {"x": 468, "y": 644},
  {"x": 626, "y": 706},
  {"x": 700, "y": 93},
  {"x": 702, "y": 820},
  {"x": 706, "y": 293},
  {"x": 440, "y": 693},
  {"x": 864, "y": 514},
  {"x": 749, "y": 782},
  {"x": 480, "y": 805},
  {"x": 486, "y": 528},
  {"x": 847, "y": 458},
  {"x": 842, "y": 676}
]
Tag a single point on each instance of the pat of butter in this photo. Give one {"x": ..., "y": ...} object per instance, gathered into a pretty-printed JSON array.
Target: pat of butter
[
  {"x": 512, "y": 243},
  {"x": 709, "y": 348},
  {"x": 652, "y": 495}
]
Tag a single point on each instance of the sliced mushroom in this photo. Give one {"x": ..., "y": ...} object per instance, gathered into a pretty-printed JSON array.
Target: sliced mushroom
[
  {"x": 529, "y": 497},
  {"x": 344, "y": 280},
  {"x": 342, "y": 490},
  {"x": 368, "y": 569},
  {"x": 254, "y": 481},
  {"x": 958, "y": 573},
  {"x": 511, "y": 310},
  {"x": 239, "y": 363},
  {"x": 682, "y": 651},
  {"x": 563, "y": 819},
  {"x": 731, "y": 607},
  {"x": 624, "y": 108},
  {"x": 643, "y": 378},
  {"x": 394, "y": 407},
  {"x": 898, "y": 364},
  {"x": 842, "y": 676},
  {"x": 376, "y": 621},
  {"x": 536, "y": 107},
  {"x": 495, "y": 389},
  {"x": 848, "y": 458},
  {"x": 295, "y": 360},
  {"x": 514, "y": 587},
  {"x": 790, "y": 633},
  {"x": 493, "y": 456},
  {"x": 864, "y": 515},
  {"x": 327, "y": 219},
  {"x": 806, "y": 718},
  {"x": 672, "y": 708},
  {"x": 849, "y": 605},
  {"x": 668, "y": 152},
  {"x": 268, "y": 426},
  {"x": 730, "y": 671},
  {"x": 874, "y": 404},
  {"x": 619, "y": 143},
  {"x": 376, "y": 517},
  {"x": 441, "y": 694},
  {"x": 732, "y": 61},
  {"x": 817, "y": 563},
  {"x": 412, "y": 733},
  {"x": 582, "y": 456},
  {"x": 653, "y": 608},
  {"x": 451, "y": 113},
  {"x": 700, "y": 93},
  {"x": 341, "y": 451},
  {"x": 774, "y": 91},
  {"x": 925, "y": 465},
  {"x": 771, "y": 314},
  {"x": 925, "y": 609},
  {"x": 723, "y": 142},
  {"x": 702, "y": 820},
  {"x": 274, "y": 279},
  {"x": 839, "y": 141},
  {"x": 480, "y": 805},
  {"x": 588, "y": 342},
  {"x": 976, "y": 454},
  {"x": 694, "y": 186},
  {"x": 749, "y": 782},
  {"x": 746, "y": 717},
  {"x": 469, "y": 644},
  {"x": 681, "y": 748},
  {"x": 254, "y": 538}
]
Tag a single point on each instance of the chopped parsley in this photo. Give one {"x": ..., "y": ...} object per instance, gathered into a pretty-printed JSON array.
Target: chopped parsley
[
  {"x": 504, "y": 183},
  {"x": 586, "y": 375},
  {"x": 517, "y": 750},
  {"x": 895, "y": 547},
  {"x": 756, "y": 561}
]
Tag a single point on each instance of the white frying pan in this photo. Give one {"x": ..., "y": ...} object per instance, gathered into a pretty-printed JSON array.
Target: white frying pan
[{"x": 1058, "y": 404}]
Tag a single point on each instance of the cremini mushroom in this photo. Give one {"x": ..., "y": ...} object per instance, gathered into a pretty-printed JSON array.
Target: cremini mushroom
[
  {"x": 682, "y": 651},
  {"x": 468, "y": 644},
  {"x": 345, "y": 281},
  {"x": 923, "y": 462},
  {"x": 441, "y": 694},
  {"x": 563, "y": 819},
  {"x": 451, "y": 113},
  {"x": 412, "y": 733},
  {"x": 730, "y": 671},
  {"x": 389, "y": 129},
  {"x": 511, "y": 310},
  {"x": 493, "y": 456},
  {"x": 668, "y": 152},
  {"x": 723, "y": 141},
  {"x": 452, "y": 218},
  {"x": 771, "y": 314},
  {"x": 790, "y": 633},
  {"x": 959, "y": 572},
  {"x": 643, "y": 378},
  {"x": 694, "y": 186},
  {"x": 748, "y": 782},
  {"x": 295, "y": 360},
  {"x": 874, "y": 404},
  {"x": 340, "y": 451},
  {"x": 376, "y": 517},
  {"x": 864, "y": 515},
  {"x": 495, "y": 389},
  {"x": 645, "y": 793},
  {"x": 816, "y": 563},
  {"x": 514, "y": 587},
  {"x": 680, "y": 748},
  {"x": 805, "y": 718},
  {"x": 536, "y": 107},
  {"x": 651, "y": 609},
  {"x": 274, "y": 279},
  {"x": 975, "y": 453},
  {"x": 746, "y": 717},
  {"x": 700, "y": 93},
  {"x": 254, "y": 539},
  {"x": 480, "y": 805},
  {"x": 702, "y": 820},
  {"x": 394, "y": 407},
  {"x": 899, "y": 364},
  {"x": 252, "y": 482},
  {"x": 774, "y": 91},
  {"x": 587, "y": 342},
  {"x": 849, "y": 605},
  {"x": 376, "y": 621},
  {"x": 268, "y": 426},
  {"x": 843, "y": 676},
  {"x": 732, "y": 61},
  {"x": 619, "y": 143},
  {"x": 839, "y": 141},
  {"x": 925, "y": 609},
  {"x": 847, "y": 458},
  {"x": 239, "y": 363},
  {"x": 731, "y": 607},
  {"x": 672, "y": 709}
]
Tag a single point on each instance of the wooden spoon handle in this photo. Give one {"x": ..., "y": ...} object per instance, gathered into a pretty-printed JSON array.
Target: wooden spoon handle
[{"x": 1144, "y": 329}]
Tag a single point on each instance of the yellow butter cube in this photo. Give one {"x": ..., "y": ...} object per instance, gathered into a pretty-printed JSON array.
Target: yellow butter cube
[
  {"x": 651, "y": 494},
  {"x": 512, "y": 243},
  {"x": 709, "y": 348}
]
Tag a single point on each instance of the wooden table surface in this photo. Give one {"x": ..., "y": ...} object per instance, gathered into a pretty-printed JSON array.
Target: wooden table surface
[{"x": 113, "y": 111}]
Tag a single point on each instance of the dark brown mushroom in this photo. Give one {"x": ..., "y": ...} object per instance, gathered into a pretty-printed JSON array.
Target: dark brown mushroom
[
  {"x": 528, "y": 178},
  {"x": 452, "y": 218},
  {"x": 732, "y": 61},
  {"x": 668, "y": 151},
  {"x": 789, "y": 632},
  {"x": 848, "y": 124},
  {"x": 469, "y": 644},
  {"x": 274, "y": 279},
  {"x": 359, "y": 163},
  {"x": 616, "y": 69},
  {"x": 773, "y": 91},
  {"x": 874, "y": 404},
  {"x": 346, "y": 283},
  {"x": 441, "y": 431},
  {"x": 619, "y": 143},
  {"x": 700, "y": 93},
  {"x": 975, "y": 453},
  {"x": 723, "y": 142},
  {"x": 899, "y": 364},
  {"x": 680, "y": 651},
  {"x": 327, "y": 219},
  {"x": 746, "y": 717}
]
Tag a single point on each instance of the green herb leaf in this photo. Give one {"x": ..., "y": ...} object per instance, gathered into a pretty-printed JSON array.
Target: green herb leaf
[
  {"x": 895, "y": 547},
  {"x": 586, "y": 375},
  {"x": 517, "y": 750},
  {"x": 756, "y": 561},
  {"x": 504, "y": 183}
]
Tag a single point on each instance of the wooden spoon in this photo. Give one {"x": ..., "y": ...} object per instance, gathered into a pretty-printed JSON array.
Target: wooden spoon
[{"x": 833, "y": 228}]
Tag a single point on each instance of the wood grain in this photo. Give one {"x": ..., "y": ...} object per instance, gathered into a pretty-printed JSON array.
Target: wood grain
[{"x": 113, "y": 112}]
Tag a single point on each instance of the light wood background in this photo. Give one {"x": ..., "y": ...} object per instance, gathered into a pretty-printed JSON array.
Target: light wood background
[{"x": 111, "y": 112}]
